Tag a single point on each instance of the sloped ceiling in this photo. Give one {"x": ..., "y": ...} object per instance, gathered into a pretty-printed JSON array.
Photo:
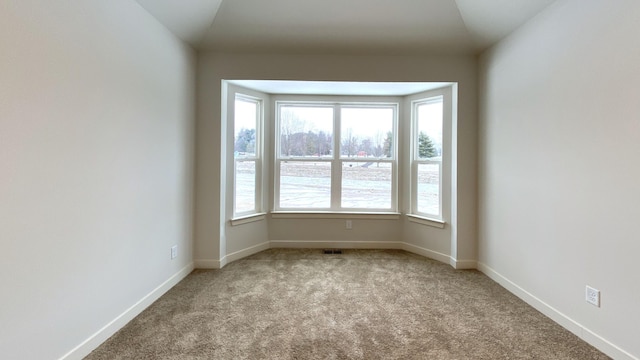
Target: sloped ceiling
[
  {"x": 187, "y": 19},
  {"x": 344, "y": 26}
]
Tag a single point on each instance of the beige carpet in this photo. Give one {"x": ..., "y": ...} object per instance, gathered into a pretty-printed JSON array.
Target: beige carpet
[{"x": 362, "y": 304}]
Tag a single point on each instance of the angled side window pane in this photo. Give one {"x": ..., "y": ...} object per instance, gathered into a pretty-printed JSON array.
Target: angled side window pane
[
  {"x": 429, "y": 129},
  {"x": 428, "y": 144},
  {"x": 245, "y": 186},
  {"x": 247, "y": 154},
  {"x": 245, "y": 127},
  {"x": 429, "y": 189}
]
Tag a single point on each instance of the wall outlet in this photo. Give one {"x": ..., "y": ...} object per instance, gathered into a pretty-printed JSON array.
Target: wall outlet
[
  {"x": 593, "y": 296},
  {"x": 174, "y": 251},
  {"x": 349, "y": 225}
]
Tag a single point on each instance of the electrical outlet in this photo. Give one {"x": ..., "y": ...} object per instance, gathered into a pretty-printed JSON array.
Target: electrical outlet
[
  {"x": 174, "y": 251},
  {"x": 349, "y": 225},
  {"x": 593, "y": 296}
]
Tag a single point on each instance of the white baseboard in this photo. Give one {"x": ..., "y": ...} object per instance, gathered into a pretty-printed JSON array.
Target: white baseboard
[
  {"x": 605, "y": 346},
  {"x": 444, "y": 258},
  {"x": 219, "y": 264},
  {"x": 116, "y": 324},
  {"x": 207, "y": 264},
  {"x": 294, "y": 244},
  {"x": 463, "y": 264},
  {"x": 566, "y": 322},
  {"x": 438, "y": 256},
  {"x": 246, "y": 252}
]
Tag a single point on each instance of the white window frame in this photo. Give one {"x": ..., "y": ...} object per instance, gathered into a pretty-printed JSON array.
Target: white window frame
[
  {"x": 336, "y": 159},
  {"x": 444, "y": 163},
  {"x": 258, "y": 157}
]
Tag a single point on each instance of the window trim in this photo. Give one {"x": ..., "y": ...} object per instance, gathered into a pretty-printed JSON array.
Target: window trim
[
  {"x": 402, "y": 148},
  {"x": 445, "y": 165},
  {"x": 426, "y": 221},
  {"x": 353, "y": 215},
  {"x": 248, "y": 218},
  {"x": 336, "y": 159},
  {"x": 258, "y": 159}
]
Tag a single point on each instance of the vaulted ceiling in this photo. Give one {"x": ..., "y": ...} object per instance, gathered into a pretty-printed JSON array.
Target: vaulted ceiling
[{"x": 344, "y": 26}]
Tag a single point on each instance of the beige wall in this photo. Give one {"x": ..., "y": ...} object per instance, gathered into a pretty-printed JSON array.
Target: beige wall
[
  {"x": 559, "y": 168},
  {"x": 214, "y": 239},
  {"x": 96, "y": 160}
]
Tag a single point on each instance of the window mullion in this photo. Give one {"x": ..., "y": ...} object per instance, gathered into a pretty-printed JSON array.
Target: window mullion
[
  {"x": 414, "y": 186},
  {"x": 336, "y": 164},
  {"x": 276, "y": 174},
  {"x": 258, "y": 182}
]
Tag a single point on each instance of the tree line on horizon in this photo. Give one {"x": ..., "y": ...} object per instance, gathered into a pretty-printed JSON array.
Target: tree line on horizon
[{"x": 311, "y": 143}]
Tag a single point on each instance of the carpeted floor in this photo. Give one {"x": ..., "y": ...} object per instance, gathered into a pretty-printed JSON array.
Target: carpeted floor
[{"x": 362, "y": 304}]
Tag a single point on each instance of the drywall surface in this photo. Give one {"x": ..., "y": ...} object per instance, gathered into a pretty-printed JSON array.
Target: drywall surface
[
  {"x": 559, "y": 165},
  {"x": 211, "y": 241},
  {"x": 96, "y": 162},
  {"x": 328, "y": 230}
]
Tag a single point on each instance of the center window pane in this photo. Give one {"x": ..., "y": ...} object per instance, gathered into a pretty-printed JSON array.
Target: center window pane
[
  {"x": 366, "y": 185},
  {"x": 306, "y": 131},
  {"x": 366, "y": 132},
  {"x": 305, "y": 184}
]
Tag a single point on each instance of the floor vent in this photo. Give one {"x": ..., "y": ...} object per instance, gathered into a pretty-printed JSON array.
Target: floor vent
[{"x": 332, "y": 251}]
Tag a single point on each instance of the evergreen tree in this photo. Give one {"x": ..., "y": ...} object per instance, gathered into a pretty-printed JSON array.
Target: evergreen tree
[{"x": 426, "y": 149}]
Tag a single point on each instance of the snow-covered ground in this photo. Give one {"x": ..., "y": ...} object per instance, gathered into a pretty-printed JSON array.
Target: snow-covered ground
[{"x": 307, "y": 185}]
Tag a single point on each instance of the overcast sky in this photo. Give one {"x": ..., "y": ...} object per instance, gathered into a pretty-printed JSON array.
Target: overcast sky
[{"x": 365, "y": 122}]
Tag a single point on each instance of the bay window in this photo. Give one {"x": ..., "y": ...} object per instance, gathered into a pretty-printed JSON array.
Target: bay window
[{"x": 304, "y": 155}]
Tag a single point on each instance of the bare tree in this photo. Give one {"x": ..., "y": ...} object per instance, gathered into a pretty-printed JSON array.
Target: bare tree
[
  {"x": 290, "y": 125},
  {"x": 349, "y": 143},
  {"x": 378, "y": 144}
]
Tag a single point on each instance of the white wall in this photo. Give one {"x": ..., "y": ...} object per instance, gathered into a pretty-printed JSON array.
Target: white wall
[
  {"x": 560, "y": 150},
  {"x": 96, "y": 152},
  {"x": 211, "y": 238}
]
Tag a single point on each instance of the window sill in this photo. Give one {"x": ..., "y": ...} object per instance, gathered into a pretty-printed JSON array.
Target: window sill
[
  {"x": 426, "y": 221},
  {"x": 334, "y": 215},
  {"x": 247, "y": 219}
]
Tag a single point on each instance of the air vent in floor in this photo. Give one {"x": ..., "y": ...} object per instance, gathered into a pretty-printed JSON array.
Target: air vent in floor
[{"x": 332, "y": 251}]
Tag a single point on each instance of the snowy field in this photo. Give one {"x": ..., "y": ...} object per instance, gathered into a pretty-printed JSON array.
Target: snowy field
[{"x": 365, "y": 185}]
